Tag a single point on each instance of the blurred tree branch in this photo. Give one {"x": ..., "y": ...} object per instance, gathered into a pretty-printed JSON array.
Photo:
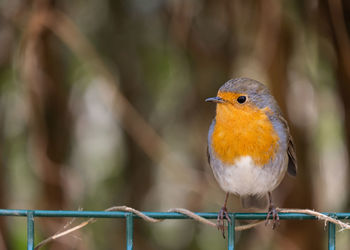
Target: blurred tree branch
[
  {"x": 50, "y": 120},
  {"x": 133, "y": 123},
  {"x": 336, "y": 14}
]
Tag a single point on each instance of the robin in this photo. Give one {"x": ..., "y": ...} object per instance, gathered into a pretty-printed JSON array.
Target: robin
[{"x": 250, "y": 147}]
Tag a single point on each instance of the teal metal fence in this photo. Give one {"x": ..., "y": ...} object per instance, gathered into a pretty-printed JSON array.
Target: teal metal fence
[{"x": 129, "y": 217}]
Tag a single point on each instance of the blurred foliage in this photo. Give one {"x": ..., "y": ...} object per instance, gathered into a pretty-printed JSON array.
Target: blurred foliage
[{"x": 102, "y": 104}]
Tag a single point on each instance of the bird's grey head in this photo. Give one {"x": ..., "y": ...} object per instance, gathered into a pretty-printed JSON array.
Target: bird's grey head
[{"x": 257, "y": 92}]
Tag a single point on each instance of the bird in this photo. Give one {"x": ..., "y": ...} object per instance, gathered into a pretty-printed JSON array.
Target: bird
[{"x": 250, "y": 147}]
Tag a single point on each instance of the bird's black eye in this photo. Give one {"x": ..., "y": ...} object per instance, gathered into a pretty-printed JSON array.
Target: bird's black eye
[{"x": 241, "y": 99}]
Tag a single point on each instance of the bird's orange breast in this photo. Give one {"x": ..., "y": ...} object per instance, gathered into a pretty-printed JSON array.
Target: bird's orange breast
[{"x": 243, "y": 130}]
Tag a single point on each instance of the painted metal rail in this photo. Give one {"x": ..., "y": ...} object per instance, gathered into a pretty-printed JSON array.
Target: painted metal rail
[{"x": 129, "y": 217}]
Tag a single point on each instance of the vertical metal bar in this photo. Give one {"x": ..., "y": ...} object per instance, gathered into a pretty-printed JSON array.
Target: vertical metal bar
[
  {"x": 30, "y": 230},
  {"x": 129, "y": 231},
  {"x": 231, "y": 233},
  {"x": 331, "y": 236}
]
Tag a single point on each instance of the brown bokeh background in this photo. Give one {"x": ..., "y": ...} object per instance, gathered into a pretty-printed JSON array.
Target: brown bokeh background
[{"x": 102, "y": 104}]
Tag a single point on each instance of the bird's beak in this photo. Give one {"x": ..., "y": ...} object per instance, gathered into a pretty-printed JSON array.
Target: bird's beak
[{"x": 215, "y": 99}]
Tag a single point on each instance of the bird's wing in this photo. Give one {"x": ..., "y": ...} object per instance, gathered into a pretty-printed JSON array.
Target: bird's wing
[
  {"x": 211, "y": 128},
  {"x": 292, "y": 158},
  {"x": 208, "y": 155}
]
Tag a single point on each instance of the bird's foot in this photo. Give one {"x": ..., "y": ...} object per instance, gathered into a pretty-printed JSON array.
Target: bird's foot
[
  {"x": 275, "y": 218},
  {"x": 222, "y": 215}
]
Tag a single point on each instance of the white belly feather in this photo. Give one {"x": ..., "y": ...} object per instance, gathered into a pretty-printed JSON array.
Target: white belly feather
[{"x": 244, "y": 178}]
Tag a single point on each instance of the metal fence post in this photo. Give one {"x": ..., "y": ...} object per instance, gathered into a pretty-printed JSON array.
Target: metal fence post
[
  {"x": 30, "y": 230},
  {"x": 129, "y": 231},
  {"x": 231, "y": 233},
  {"x": 331, "y": 236}
]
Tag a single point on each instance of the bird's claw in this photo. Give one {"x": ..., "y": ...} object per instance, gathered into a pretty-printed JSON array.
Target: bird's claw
[
  {"x": 223, "y": 214},
  {"x": 275, "y": 218}
]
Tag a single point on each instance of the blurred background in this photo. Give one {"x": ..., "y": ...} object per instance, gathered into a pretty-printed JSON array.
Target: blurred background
[{"x": 102, "y": 104}]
